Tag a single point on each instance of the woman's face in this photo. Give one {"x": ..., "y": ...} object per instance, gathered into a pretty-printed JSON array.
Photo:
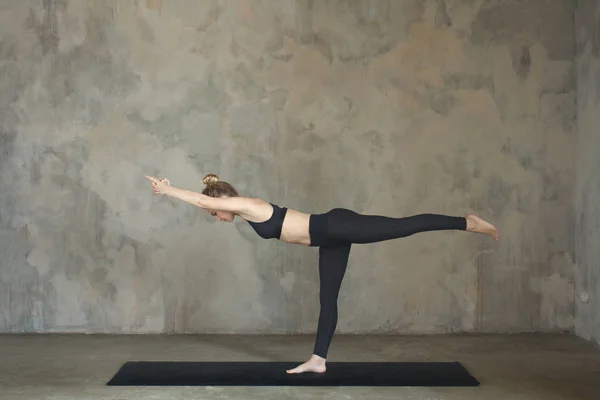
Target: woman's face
[{"x": 222, "y": 216}]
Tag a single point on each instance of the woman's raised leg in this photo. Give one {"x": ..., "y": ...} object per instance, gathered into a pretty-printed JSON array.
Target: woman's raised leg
[{"x": 350, "y": 226}]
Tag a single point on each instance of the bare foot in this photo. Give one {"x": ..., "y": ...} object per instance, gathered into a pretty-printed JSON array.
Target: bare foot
[
  {"x": 478, "y": 225},
  {"x": 314, "y": 364}
]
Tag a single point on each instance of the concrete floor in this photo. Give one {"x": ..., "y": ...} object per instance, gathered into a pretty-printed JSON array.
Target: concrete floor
[{"x": 529, "y": 366}]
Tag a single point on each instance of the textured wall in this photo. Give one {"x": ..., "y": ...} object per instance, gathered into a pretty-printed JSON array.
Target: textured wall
[
  {"x": 587, "y": 322},
  {"x": 388, "y": 107}
]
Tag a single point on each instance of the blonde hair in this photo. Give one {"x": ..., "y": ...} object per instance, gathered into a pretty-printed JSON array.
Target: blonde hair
[{"x": 216, "y": 188}]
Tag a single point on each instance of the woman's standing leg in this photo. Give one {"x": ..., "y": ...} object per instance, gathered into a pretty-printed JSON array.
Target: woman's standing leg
[{"x": 332, "y": 267}]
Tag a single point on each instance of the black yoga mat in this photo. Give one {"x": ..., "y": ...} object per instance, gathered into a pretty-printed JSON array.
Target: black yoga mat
[{"x": 148, "y": 373}]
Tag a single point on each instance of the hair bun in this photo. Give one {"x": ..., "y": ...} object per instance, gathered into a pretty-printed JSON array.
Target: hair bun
[{"x": 210, "y": 179}]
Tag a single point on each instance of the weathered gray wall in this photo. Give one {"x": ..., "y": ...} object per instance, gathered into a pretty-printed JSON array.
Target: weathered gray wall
[
  {"x": 388, "y": 107},
  {"x": 587, "y": 321}
]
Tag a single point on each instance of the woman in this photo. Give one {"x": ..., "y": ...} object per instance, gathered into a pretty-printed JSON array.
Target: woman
[{"x": 333, "y": 232}]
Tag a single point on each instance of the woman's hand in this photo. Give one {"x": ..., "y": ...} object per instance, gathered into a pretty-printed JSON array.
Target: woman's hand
[{"x": 160, "y": 186}]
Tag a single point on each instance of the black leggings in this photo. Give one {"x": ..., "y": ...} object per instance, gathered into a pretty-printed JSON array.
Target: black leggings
[{"x": 335, "y": 232}]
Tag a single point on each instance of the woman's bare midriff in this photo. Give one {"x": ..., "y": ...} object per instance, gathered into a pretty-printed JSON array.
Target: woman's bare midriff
[{"x": 296, "y": 228}]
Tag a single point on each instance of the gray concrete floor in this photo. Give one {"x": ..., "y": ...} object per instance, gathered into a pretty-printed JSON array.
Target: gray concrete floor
[{"x": 527, "y": 366}]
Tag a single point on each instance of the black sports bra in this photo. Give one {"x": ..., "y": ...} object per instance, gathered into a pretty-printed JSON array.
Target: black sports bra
[{"x": 271, "y": 228}]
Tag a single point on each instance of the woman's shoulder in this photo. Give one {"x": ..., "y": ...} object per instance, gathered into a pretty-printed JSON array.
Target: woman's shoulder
[{"x": 255, "y": 209}]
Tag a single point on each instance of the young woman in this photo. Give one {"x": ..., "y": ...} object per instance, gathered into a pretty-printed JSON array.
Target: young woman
[{"x": 333, "y": 232}]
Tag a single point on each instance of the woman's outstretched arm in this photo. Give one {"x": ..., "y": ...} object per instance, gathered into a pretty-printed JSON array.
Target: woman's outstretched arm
[{"x": 239, "y": 205}]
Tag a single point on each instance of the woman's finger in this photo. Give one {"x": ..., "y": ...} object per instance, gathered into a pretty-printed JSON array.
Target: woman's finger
[{"x": 152, "y": 179}]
